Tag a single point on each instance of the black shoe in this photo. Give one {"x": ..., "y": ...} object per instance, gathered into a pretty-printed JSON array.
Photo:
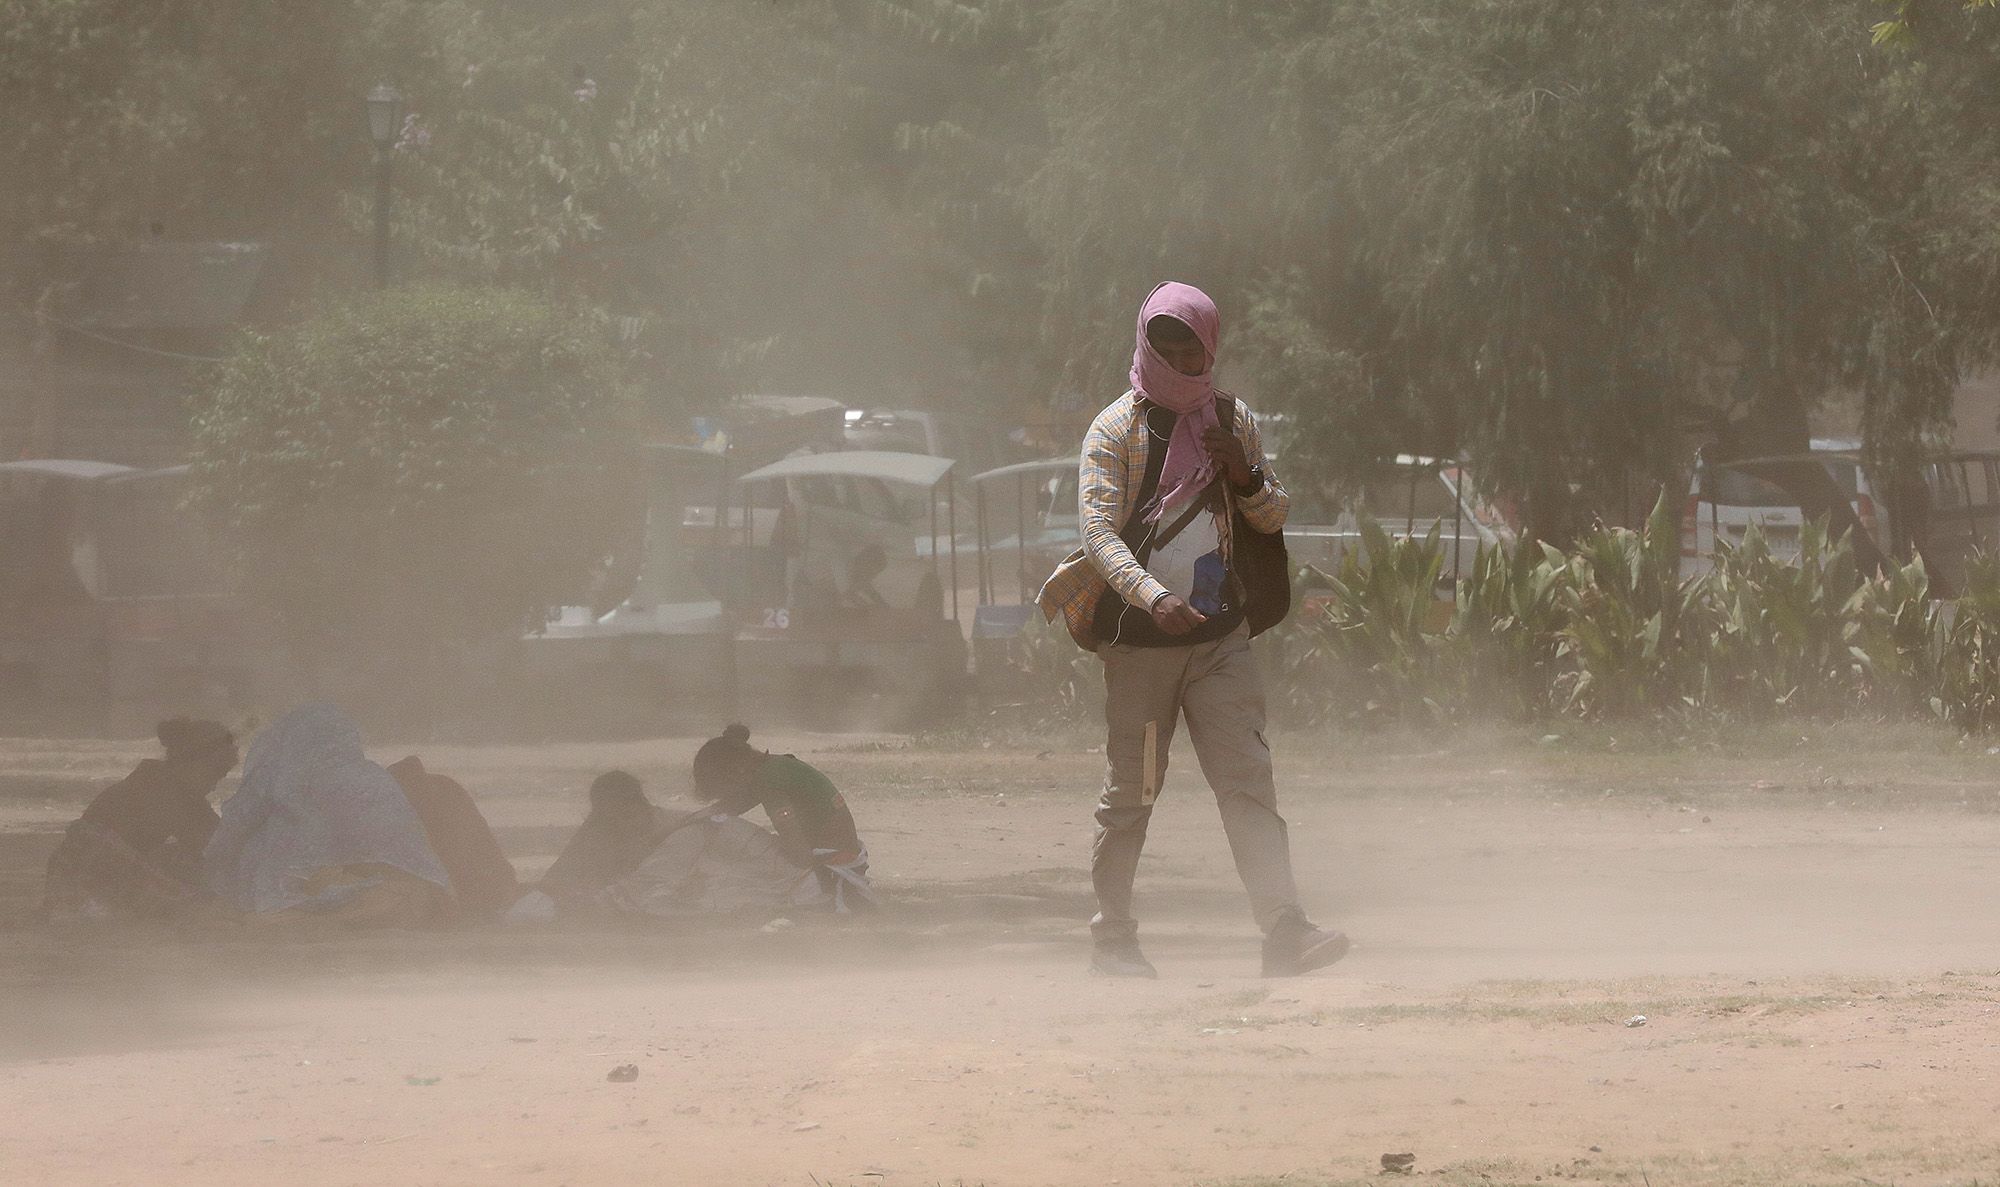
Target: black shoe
[
  {"x": 1295, "y": 948},
  {"x": 1121, "y": 960}
]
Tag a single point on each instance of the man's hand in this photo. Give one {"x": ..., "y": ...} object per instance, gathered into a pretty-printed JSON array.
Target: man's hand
[
  {"x": 1225, "y": 449},
  {"x": 1176, "y": 617}
]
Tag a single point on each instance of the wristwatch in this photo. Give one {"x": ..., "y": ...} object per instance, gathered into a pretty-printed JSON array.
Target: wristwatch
[{"x": 1255, "y": 484}]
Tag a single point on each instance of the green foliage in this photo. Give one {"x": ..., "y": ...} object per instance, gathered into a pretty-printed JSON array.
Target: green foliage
[
  {"x": 1779, "y": 630},
  {"x": 217, "y": 119},
  {"x": 1342, "y": 418},
  {"x": 1506, "y": 627},
  {"x": 1896, "y": 637},
  {"x": 1610, "y": 631},
  {"x": 723, "y": 175},
  {"x": 1370, "y": 652},
  {"x": 1965, "y": 688},
  {"x": 1622, "y": 605},
  {"x": 427, "y": 466},
  {"x": 1059, "y": 681},
  {"x": 1899, "y": 30},
  {"x": 717, "y": 176},
  {"x": 1570, "y": 239}
]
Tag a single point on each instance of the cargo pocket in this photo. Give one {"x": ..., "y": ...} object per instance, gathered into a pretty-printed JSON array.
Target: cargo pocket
[
  {"x": 1136, "y": 765},
  {"x": 1152, "y": 770}
]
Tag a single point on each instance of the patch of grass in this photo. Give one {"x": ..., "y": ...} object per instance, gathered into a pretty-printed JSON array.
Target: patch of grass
[
  {"x": 1555, "y": 742},
  {"x": 1060, "y": 733},
  {"x": 867, "y": 746},
  {"x": 1484, "y": 1172},
  {"x": 1318, "y": 1074},
  {"x": 1541, "y": 1003},
  {"x": 1469, "y": 1010},
  {"x": 823, "y": 1181},
  {"x": 1241, "y": 999},
  {"x": 1581, "y": 1004},
  {"x": 1964, "y": 1166},
  {"x": 1554, "y": 747},
  {"x": 1781, "y": 1168},
  {"x": 1276, "y": 1051},
  {"x": 1767, "y": 1040}
]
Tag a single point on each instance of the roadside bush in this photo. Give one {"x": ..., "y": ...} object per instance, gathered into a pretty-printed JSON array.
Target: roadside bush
[
  {"x": 1964, "y": 685},
  {"x": 417, "y": 472},
  {"x": 1506, "y": 629},
  {"x": 1896, "y": 636},
  {"x": 1059, "y": 681},
  {"x": 1779, "y": 633},
  {"x": 1369, "y": 650},
  {"x": 1609, "y": 631},
  {"x": 1621, "y": 649}
]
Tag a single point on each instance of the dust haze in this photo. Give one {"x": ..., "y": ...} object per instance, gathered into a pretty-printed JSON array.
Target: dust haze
[
  {"x": 1587, "y": 954},
  {"x": 1812, "y": 960}
]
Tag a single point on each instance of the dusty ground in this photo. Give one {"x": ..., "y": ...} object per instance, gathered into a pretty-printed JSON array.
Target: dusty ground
[{"x": 1812, "y": 931}]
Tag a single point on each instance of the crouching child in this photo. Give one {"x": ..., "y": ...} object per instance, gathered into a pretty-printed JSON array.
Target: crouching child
[{"x": 815, "y": 830}]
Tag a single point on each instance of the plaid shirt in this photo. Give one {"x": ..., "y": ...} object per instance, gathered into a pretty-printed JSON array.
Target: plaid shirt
[{"x": 1114, "y": 463}]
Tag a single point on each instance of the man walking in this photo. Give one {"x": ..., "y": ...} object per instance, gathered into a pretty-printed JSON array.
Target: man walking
[{"x": 1169, "y": 473}]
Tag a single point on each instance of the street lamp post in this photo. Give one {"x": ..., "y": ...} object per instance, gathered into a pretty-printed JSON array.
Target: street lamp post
[{"x": 385, "y": 114}]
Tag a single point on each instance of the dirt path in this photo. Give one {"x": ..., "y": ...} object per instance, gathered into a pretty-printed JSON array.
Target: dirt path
[{"x": 1814, "y": 943}]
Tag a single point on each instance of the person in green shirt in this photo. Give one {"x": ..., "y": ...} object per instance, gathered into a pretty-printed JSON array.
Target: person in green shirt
[{"x": 815, "y": 829}]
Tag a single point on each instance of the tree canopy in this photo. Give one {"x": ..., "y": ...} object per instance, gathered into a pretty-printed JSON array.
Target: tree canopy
[
  {"x": 1574, "y": 240},
  {"x": 428, "y": 466}
]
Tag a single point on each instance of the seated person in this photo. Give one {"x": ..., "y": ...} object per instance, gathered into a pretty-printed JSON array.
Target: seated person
[
  {"x": 623, "y": 827},
  {"x": 136, "y": 851},
  {"x": 482, "y": 879},
  {"x": 867, "y": 564},
  {"x": 316, "y": 830},
  {"x": 815, "y": 830},
  {"x": 712, "y": 865}
]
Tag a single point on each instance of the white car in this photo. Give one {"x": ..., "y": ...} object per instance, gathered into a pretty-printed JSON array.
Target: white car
[
  {"x": 1726, "y": 498},
  {"x": 1962, "y": 490},
  {"x": 1406, "y": 498}
]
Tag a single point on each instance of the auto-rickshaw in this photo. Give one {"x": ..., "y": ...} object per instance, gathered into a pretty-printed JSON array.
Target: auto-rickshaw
[
  {"x": 859, "y": 622},
  {"x": 1022, "y": 520},
  {"x": 115, "y": 608}
]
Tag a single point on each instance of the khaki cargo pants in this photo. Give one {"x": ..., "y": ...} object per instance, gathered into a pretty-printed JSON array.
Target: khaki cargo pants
[{"x": 1217, "y": 686}]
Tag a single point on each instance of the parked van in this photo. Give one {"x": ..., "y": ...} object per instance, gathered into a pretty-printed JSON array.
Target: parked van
[{"x": 1726, "y": 498}]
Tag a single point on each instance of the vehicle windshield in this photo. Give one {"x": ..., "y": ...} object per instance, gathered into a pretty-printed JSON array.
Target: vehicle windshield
[
  {"x": 1735, "y": 488},
  {"x": 1728, "y": 486},
  {"x": 1408, "y": 494},
  {"x": 869, "y": 497}
]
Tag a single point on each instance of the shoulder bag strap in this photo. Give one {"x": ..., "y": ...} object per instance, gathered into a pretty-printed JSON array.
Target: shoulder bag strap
[{"x": 1135, "y": 529}]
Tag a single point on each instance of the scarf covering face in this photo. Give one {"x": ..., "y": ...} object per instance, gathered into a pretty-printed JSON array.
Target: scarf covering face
[
  {"x": 1187, "y": 471},
  {"x": 311, "y": 800}
]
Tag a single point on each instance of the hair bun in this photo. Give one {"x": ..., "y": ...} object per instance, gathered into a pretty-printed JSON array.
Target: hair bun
[
  {"x": 737, "y": 732},
  {"x": 188, "y": 737}
]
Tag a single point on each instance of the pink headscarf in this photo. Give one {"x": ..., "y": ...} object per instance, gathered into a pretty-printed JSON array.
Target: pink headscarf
[{"x": 1187, "y": 471}]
